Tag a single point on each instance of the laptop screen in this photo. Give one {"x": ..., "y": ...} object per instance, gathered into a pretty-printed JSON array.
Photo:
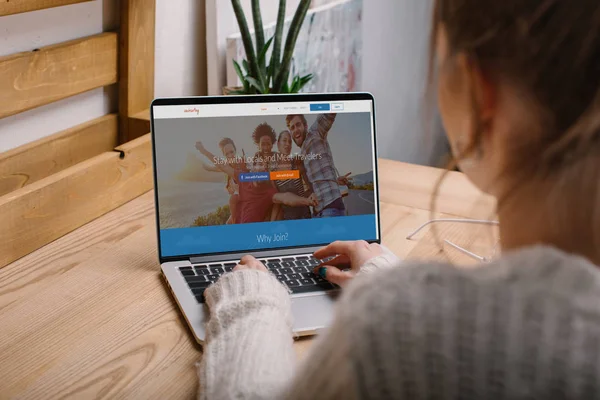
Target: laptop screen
[{"x": 262, "y": 176}]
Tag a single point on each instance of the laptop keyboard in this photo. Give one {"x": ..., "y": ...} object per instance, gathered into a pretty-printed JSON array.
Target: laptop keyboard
[{"x": 293, "y": 272}]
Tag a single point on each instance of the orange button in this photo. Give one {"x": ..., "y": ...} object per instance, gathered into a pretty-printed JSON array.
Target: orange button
[{"x": 284, "y": 175}]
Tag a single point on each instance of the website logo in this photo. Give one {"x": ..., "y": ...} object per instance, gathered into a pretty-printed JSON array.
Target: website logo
[{"x": 192, "y": 110}]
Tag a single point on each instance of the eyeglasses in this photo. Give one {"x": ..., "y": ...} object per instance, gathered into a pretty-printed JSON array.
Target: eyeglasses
[{"x": 454, "y": 245}]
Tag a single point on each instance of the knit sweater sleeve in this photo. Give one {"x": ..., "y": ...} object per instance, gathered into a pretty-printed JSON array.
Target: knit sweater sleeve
[
  {"x": 248, "y": 353},
  {"x": 526, "y": 326}
]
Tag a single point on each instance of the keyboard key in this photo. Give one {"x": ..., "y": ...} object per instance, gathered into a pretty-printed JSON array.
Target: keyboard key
[
  {"x": 307, "y": 282},
  {"x": 185, "y": 268},
  {"x": 302, "y": 263},
  {"x": 286, "y": 271},
  {"x": 287, "y": 259},
  {"x": 294, "y": 276},
  {"x": 302, "y": 258},
  {"x": 196, "y": 285},
  {"x": 212, "y": 278},
  {"x": 215, "y": 265},
  {"x": 271, "y": 260},
  {"x": 228, "y": 268},
  {"x": 281, "y": 278},
  {"x": 288, "y": 264},
  {"x": 187, "y": 272},
  {"x": 190, "y": 279},
  {"x": 273, "y": 265},
  {"x": 217, "y": 270},
  {"x": 202, "y": 270},
  {"x": 313, "y": 262},
  {"x": 231, "y": 264},
  {"x": 198, "y": 291},
  {"x": 307, "y": 275},
  {"x": 200, "y": 298},
  {"x": 313, "y": 288},
  {"x": 292, "y": 283}
]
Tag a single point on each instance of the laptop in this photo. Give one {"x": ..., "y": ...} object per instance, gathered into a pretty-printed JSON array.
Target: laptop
[{"x": 274, "y": 176}]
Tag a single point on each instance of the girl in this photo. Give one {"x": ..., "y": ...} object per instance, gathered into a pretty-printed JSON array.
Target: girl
[{"x": 518, "y": 84}]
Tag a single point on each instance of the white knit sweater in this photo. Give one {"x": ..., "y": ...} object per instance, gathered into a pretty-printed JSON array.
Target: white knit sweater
[{"x": 526, "y": 326}]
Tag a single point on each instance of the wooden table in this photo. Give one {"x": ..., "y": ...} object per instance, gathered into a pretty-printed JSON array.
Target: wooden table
[{"x": 88, "y": 316}]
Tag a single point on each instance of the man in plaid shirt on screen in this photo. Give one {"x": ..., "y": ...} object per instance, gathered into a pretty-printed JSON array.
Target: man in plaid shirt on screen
[{"x": 318, "y": 162}]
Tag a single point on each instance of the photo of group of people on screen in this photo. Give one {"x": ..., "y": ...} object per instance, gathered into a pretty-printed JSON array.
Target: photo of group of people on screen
[{"x": 278, "y": 183}]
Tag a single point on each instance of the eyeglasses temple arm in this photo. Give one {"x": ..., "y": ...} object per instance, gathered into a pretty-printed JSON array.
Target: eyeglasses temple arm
[
  {"x": 467, "y": 252},
  {"x": 458, "y": 220}
]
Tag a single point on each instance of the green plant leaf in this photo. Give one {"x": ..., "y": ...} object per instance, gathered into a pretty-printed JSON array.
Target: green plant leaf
[
  {"x": 276, "y": 54},
  {"x": 246, "y": 37},
  {"x": 241, "y": 75},
  {"x": 302, "y": 84},
  {"x": 256, "y": 84},
  {"x": 237, "y": 92},
  {"x": 259, "y": 32},
  {"x": 263, "y": 53},
  {"x": 295, "y": 84},
  {"x": 307, "y": 78},
  {"x": 246, "y": 66},
  {"x": 269, "y": 74},
  {"x": 304, "y": 80},
  {"x": 290, "y": 43},
  {"x": 262, "y": 61},
  {"x": 238, "y": 70}
]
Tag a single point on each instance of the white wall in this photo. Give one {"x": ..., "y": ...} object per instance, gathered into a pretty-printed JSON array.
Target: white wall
[
  {"x": 395, "y": 63},
  {"x": 180, "y": 60},
  {"x": 220, "y": 23},
  {"x": 180, "y": 48}
]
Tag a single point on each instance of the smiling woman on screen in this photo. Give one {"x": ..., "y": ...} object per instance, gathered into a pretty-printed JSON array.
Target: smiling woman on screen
[{"x": 518, "y": 85}]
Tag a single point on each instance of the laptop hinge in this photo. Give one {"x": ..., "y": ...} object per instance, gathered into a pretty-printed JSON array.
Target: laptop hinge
[{"x": 261, "y": 254}]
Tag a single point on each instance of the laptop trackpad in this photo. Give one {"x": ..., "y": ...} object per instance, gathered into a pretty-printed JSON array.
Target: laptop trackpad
[{"x": 313, "y": 313}]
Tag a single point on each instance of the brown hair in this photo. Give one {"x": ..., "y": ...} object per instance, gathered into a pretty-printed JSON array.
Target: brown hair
[
  {"x": 261, "y": 130},
  {"x": 290, "y": 117},
  {"x": 225, "y": 141},
  {"x": 550, "y": 51}
]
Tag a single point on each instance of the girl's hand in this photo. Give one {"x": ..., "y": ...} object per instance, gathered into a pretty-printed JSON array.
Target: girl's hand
[
  {"x": 249, "y": 262},
  {"x": 349, "y": 258}
]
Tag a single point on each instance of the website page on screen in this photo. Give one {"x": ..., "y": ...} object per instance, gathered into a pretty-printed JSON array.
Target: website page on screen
[{"x": 244, "y": 177}]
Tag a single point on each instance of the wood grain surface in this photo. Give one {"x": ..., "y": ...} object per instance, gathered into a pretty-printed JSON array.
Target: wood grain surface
[
  {"x": 37, "y": 160},
  {"x": 88, "y": 315},
  {"x": 35, "y": 78},
  {"x": 39, "y": 213},
  {"x": 8, "y": 7},
  {"x": 136, "y": 65}
]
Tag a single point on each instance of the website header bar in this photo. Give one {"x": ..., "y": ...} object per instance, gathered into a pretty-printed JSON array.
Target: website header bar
[{"x": 253, "y": 109}]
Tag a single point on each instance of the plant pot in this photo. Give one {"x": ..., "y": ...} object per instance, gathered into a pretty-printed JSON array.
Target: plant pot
[{"x": 228, "y": 89}]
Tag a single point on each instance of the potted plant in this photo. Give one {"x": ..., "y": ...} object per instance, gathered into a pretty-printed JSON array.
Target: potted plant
[{"x": 256, "y": 75}]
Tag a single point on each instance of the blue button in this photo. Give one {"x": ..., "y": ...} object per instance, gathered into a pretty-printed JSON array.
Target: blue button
[
  {"x": 255, "y": 177},
  {"x": 320, "y": 107}
]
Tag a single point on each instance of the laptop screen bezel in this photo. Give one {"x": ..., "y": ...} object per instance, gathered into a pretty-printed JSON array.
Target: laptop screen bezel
[{"x": 209, "y": 100}]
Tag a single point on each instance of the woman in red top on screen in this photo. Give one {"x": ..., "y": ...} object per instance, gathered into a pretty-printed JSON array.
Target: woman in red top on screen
[{"x": 256, "y": 198}]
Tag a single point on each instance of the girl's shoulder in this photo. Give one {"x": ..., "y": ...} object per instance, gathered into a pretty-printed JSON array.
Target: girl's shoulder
[{"x": 540, "y": 275}]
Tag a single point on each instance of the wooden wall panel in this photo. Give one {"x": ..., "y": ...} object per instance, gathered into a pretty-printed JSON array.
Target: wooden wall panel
[
  {"x": 34, "y": 161},
  {"x": 136, "y": 65},
  {"x": 8, "y": 7},
  {"x": 35, "y": 78},
  {"x": 39, "y": 213}
]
